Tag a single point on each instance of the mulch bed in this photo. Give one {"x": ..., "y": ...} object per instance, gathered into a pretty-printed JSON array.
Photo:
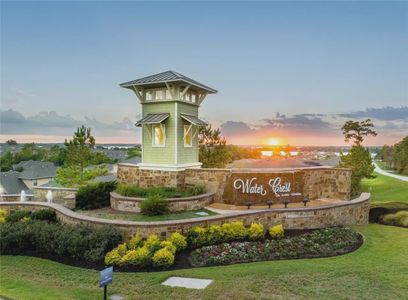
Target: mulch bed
[{"x": 182, "y": 258}]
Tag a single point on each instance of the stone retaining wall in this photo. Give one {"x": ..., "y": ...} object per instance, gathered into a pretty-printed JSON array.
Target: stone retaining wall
[
  {"x": 318, "y": 182},
  {"x": 60, "y": 195},
  {"x": 345, "y": 213},
  {"x": 132, "y": 204}
]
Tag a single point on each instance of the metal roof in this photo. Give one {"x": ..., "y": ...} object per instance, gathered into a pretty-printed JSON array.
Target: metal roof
[
  {"x": 153, "y": 119},
  {"x": 168, "y": 76},
  {"x": 194, "y": 120},
  {"x": 12, "y": 184}
]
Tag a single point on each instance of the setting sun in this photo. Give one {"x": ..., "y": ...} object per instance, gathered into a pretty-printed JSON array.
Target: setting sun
[{"x": 273, "y": 142}]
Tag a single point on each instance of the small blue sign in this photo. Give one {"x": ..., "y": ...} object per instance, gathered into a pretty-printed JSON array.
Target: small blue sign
[{"x": 105, "y": 276}]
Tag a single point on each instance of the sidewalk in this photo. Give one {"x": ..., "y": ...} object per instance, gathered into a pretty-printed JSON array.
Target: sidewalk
[{"x": 383, "y": 172}]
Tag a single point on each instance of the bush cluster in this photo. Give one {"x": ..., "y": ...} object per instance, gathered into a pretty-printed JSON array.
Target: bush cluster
[
  {"x": 233, "y": 231},
  {"x": 95, "y": 195},
  {"x": 26, "y": 215},
  {"x": 378, "y": 210},
  {"x": 77, "y": 242},
  {"x": 277, "y": 231},
  {"x": 152, "y": 252},
  {"x": 154, "y": 205},
  {"x": 129, "y": 190},
  {"x": 3, "y": 215},
  {"x": 398, "y": 219},
  {"x": 324, "y": 242}
]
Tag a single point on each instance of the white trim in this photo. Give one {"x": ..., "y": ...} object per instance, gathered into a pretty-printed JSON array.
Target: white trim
[
  {"x": 176, "y": 134},
  {"x": 163, "y": 127},
  {"x": 190, "y": 129},
  {"x": 167, "y": 167}
]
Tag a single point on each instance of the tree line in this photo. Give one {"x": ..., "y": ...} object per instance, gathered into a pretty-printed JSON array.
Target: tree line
[{"x": 396, "y": 157}]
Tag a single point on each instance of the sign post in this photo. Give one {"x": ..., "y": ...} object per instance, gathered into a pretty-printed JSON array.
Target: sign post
[{"x": 105, "y": 278}]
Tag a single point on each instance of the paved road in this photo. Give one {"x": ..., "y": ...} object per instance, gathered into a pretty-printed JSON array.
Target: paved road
[{"x": 383, "y": 172}]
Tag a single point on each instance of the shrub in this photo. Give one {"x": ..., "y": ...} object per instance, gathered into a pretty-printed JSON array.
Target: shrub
[
  {"x": 113, "y": 258},
  {"x": 178, "y": 240},
  {"x": 169, "y": 246},
  {"x": 152, "y": 243},
  {"x": 94, "y": 195},
  {"x": 129, "y": 190},
  {"x": 78, "y": 242},
  {"x": 277, "y": 231},
  {"x": 398, "y": 219},
  {"x": 234, "y": 231},
  {"x": 3, "y": 215},
  {"x": 139, "y": 257},
  {"x": 197, "y": 236},
  {"x": 215, "y": 235},
  {"x": 378, "y": 210},
  {"x": 45, "y": 215},
  {"x": 122, "y": 248},
  {"x": 18, "y": 215},
  {"x": 135, "y": 242},
  {"x": 154, "y": 205},
  {"x": 163, "y": 258},
  {"x": 256, "y": 232}
]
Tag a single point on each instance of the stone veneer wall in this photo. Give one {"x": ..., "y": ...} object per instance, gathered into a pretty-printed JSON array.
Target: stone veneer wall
[
  {"x": 353, "y": 212},
  {"x": 61, "y": 195},
  {"x": 319, "y": 182},
  {"x": 131, "y": 204}
]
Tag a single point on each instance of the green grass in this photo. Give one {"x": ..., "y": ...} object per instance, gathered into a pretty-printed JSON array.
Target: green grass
[
  {"x": 378, "y": 270},
  {"x": 107, "y": 214},
  {"x": 386, "y": 189}
]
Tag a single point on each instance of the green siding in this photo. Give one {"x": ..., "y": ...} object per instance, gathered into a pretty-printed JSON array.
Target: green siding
[
  {"x": 187, "y": 154},
  {"x": 159, "y": 155}
]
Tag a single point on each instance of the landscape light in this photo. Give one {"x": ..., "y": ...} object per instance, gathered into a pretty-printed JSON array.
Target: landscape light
[
  {"x": 286, "y": 202},
  {"x": 269, "y": 202},
  {"x": 305, "y": 200},
  {"x": 248, "y": 204}
]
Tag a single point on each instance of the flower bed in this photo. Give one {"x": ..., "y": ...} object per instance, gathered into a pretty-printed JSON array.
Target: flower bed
[{"x": 319, "y": 243}]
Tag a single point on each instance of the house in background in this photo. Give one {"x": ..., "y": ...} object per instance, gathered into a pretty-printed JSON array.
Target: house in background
[
  {"x": 35, "y": 173},
  {"x": 11, "y": 186}
]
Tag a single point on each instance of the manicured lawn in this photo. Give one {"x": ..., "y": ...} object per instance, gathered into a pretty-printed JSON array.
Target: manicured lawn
[
  {"x": 107, "y": 213},
  {"x": 386, "y": 189},
  {"x": 378, "y": 270}
]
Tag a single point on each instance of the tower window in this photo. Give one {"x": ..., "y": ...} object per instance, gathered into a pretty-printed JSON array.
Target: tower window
[
  {"x": 149, "y": 95},
  {"x": 188, "y": 141},
  {"x": 159, "y": 94},
  {"x": 159, "y": 135}
]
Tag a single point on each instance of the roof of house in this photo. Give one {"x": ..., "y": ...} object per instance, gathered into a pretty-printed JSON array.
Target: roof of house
[
  {"x": 11, "y": 183},
  {"x": 37, "y": 169},
  {"x": 168, "y": 76}
]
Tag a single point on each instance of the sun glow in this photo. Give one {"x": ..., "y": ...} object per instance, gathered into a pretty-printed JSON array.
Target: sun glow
[{"x": 273, "y": 142}]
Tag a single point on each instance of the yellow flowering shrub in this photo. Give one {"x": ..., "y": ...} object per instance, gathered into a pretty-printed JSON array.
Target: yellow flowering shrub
[
  {"x": 3, "y": 215},
  {"x": 169, "y": 245},
  {"x": 25, "y": 220},
  {"x": 135, "y": 242},
  {"x": 234, "y": 231},
  {"x": 256, "y": 232},
  {"x": 197, "y": 236},
  {"x": 152, "y": 243},
  {"x": 113, "y": 258},
  {"x": 122, "y": 248},
  {"x": 163, "y": 258},
  {"x": 277, "y": 231},
  {"x": 139, "y": 257},
  {"x": 178, "y": 240},
  {"x": 215, "y": 234}
]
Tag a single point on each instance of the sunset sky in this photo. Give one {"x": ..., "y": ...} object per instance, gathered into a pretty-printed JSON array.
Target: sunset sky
[{"x": 292, "y": 72}]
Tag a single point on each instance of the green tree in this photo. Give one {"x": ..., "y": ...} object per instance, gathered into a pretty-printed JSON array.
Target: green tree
[
  {"x": 359, "y": 158},
  {"x": 6, "y": 161},
  {"x": 357, "y": 130},
  {"x": 400, "y": 157},
  {"x": 213, "y": 152},
  {"x": 79, "y": 149},
  {"x": 134, "y": 152},
  {"x": 11, "y": 142}
]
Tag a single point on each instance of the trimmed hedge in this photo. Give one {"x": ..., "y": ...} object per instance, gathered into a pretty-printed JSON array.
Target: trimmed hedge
[
  {"x": 378, "y": 210},
  {"x": 76, "y": 242},
  {"x": 42, "y": 214},
  {"x": 94, "y": 195},
  {"x": 398, "y": 219}
]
